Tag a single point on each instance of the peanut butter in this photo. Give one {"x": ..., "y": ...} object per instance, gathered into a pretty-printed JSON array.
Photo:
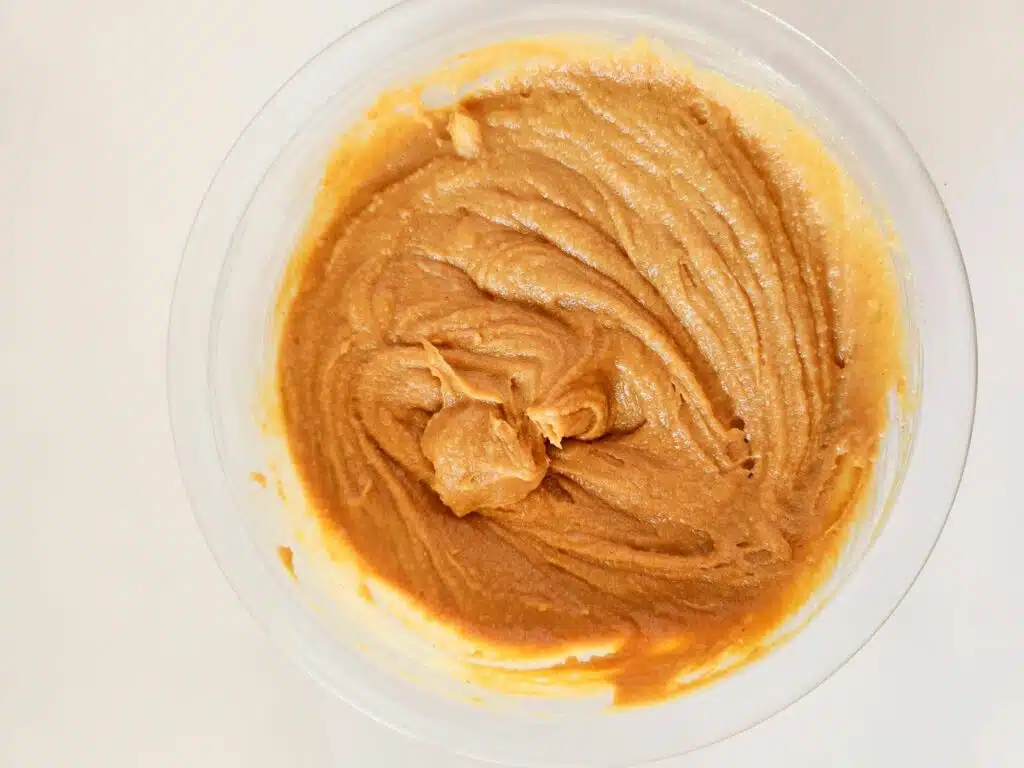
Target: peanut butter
[{"x": 585, "y": 356}]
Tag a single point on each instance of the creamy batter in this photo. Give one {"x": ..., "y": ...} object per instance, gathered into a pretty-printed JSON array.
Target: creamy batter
[{"x": 583, "y": 357}]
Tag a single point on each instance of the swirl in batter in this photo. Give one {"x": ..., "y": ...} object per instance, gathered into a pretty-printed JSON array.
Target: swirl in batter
[{"x": 584, "y": 357}]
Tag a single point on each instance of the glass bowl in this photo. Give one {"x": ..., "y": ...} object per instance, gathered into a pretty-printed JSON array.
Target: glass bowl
[{"x": 221, "y": 350}]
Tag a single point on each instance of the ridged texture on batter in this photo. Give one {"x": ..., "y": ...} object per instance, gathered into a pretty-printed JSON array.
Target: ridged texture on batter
[{"x": 580, "y": 359}]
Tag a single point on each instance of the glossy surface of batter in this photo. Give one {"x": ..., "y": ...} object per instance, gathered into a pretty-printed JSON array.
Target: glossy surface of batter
[{"x": 579, "y": 359}]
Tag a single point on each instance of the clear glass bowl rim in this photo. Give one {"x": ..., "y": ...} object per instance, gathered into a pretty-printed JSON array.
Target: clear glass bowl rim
[{"x": 187, "y": 377}]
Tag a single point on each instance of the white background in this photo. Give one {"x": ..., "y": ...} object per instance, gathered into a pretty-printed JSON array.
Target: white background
[{"x": 120, "y": 642}]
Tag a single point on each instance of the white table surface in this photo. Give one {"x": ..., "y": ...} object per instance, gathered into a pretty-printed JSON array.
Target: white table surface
[{"x": 120, "y": 642}]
